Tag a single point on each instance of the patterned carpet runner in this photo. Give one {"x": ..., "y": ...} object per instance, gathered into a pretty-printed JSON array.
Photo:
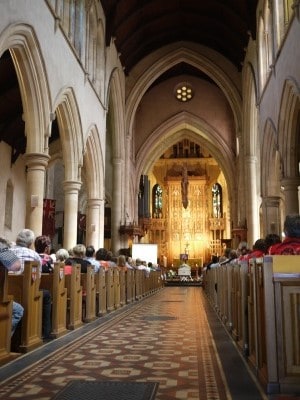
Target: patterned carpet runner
[{"x": 165, "y": 339}]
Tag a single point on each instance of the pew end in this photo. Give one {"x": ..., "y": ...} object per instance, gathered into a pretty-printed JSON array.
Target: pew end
[
  {"x": 55, "y": 283},
  {"x": 25, "y": 290},
  {"x": 74, "y": 299}
]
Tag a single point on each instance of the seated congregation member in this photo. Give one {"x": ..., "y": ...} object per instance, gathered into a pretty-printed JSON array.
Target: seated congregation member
[
  {"x": 78, "y": 258},
  {"x": 270, "y": 239},
  {"x": 61, "y": 256},
  {"x": 242, "y": 250},
  {"x": 22, "y": 249},
  {"x": 42, "y": 246},
  {"x": 12, "y": 263},
  {"x": 214, "y": 260},
  {"x": 112, "y": 261},
  {"x": 121, "y": 263},
  {"x": 129, "y": 262},
  {"x": 103, "y": 257},
  {"x": 53, "y": 254},
  {"x": 258, "y": 250},
  {"x": 228, "y": 256},
  {"x": 291, "y": 242},
  {"x": 90, "y": 256}
]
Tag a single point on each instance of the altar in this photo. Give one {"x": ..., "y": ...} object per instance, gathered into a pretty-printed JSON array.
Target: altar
[
  {"x": 184, "y": 273},
  {"x": 194, "y": 263}
]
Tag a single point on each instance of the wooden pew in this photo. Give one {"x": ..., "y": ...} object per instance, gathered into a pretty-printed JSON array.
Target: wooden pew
[
  {"x": 74, "y": 299},
  {"x": 130, "y": 286},
  {"x": 281, "y": 298},
  {"x": 117, "y": 289},
  {"x": 89, "y": 294},
  {"x": 264, "y": 311},
  {"x": 109, "y": 282},
  {"x": 5, "y": 316},
  {"x": 25, "y": 289},
  {"x": 55, "y": 283},
  {"x": 100, "y": 292},
  {"x": 122, "y": 287},
  {"x": 139, "y": 274}
]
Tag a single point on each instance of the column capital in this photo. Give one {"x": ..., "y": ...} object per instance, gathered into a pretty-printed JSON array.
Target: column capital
[
  {"x": 71, "y": 186},
  {"x": 94, "y": 202},
  {"x": 290, "y": 182},
  {"x": 251, "y": 159},
  {"x": 271, "y": 201},
  {"x": 117, "y": 160},
  {"x": 34, "y": 160}
]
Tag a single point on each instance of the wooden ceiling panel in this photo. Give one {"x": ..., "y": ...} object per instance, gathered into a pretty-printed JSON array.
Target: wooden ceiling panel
[{"x": 142, "y": 26}]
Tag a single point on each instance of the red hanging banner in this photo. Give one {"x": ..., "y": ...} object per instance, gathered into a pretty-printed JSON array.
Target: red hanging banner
[{"x": 49, "y": 217}]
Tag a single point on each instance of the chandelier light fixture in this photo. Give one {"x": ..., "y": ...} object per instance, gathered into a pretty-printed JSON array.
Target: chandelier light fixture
[{"x": 184, "y": 92}]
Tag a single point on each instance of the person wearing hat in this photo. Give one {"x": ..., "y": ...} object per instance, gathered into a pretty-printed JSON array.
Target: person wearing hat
[{"x": 12, "y": 263}]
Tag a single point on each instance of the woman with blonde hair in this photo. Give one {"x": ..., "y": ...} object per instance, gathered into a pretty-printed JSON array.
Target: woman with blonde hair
[{"x": 121, "y": 263}]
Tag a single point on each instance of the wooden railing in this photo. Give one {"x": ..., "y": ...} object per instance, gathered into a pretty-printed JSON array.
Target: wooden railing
[{"x": 259, "y": 303}]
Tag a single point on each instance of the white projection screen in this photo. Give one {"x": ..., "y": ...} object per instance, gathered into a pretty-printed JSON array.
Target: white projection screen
[{"x": 145, "y": 252}]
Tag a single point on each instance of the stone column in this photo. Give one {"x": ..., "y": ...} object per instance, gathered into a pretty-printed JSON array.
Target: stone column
[
  {"x": 71, "y": 190},
  {"x": 127, "y": 190},
  {"x": 290, "y": 186},
  {"x": 93, "y": 222},
  {"x": 116, "y": 210},
  {"x": 36, "y": 164},
  {"x": 251, "y": 201},
  {"x": 271, "y": 215}
]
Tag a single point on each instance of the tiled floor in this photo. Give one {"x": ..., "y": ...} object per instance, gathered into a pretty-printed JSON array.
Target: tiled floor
[{"x": 165, "y": 338}]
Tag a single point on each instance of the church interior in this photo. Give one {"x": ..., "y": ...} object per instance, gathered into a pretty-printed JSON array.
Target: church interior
[{"x": 174, "y": 123}]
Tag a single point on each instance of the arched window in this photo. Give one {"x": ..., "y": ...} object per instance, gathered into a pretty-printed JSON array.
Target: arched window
[
  {"x": 288, "y": 10},
  {"x": 72, "y": 20},
  {"x": 217, "y": 210},
  {"x": 157, "y": 202}
]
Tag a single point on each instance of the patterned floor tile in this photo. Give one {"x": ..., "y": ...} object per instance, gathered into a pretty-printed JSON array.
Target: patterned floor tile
[{"x": 164, "y": 338}]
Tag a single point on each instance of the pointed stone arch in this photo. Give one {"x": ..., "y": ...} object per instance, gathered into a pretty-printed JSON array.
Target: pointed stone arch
[
  {"x": 68, "y": 119},
  {"x": 115, "y": 105},
  {"x": 192, "y": 128},
  {"x": 272, "y": 199},
  {"x": 224, "y": 75},
  {"x": 21, "y": 41},
  {"x": 288, "y": 128},
  {"x": 271, "y": 166},
  {"x": 116, "y": 128},
  {"x": 94, "y": 164},
  {"x": 249, "y": 160},
  {"x": 188, "y": 126}
]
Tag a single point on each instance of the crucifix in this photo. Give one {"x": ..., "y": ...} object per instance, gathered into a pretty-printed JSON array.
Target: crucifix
[{"x": 184, "y": 186}]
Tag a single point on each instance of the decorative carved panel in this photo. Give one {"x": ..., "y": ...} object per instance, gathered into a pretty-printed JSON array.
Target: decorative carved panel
[{"x": 187, "y": 227}]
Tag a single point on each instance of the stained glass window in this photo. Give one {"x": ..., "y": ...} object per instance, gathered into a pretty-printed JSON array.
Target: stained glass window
[{"x": 157, "y": 201}]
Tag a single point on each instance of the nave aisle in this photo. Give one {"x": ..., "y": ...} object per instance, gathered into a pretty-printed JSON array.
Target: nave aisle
[{"x": 165, "y": 338}]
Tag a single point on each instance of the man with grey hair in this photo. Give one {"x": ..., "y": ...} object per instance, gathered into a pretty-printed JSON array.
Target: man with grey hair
[
  {"x": 12, "y": 263},
  {"x": 23, "y": 250}
]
